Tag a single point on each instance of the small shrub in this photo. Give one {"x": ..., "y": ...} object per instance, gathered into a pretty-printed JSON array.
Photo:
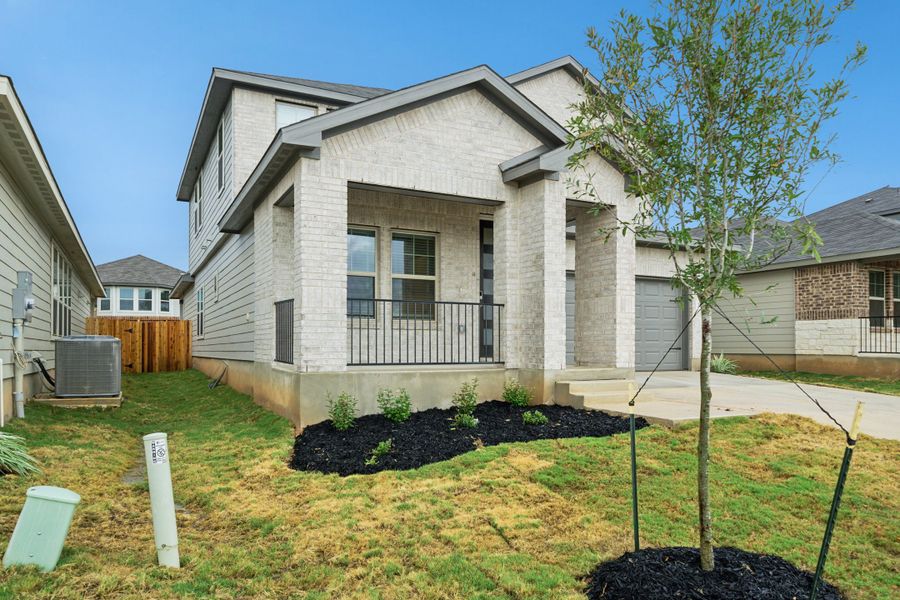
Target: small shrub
[
  {"x": 14, "y": 457},
  {"x": 396, "y": 406},
  {"x": 342, "y": 411},
  {"x": 380, "y": 450},
  {"x": 516, "y": 394},
  {"x": 720, "y": 364},
  {"x": 464, "y": 420},
  {"x": 533, "y": 417},
  {"x": 465, "y": 401}
]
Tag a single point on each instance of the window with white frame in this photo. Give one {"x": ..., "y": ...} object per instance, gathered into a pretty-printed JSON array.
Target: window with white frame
[
  {"x": 876, "y": 298},
  {"x": 895, "y": 280},
  {"x": 413, "y": 274},
  {"x": 61, "y": 285},
  {"x": 145, "y": 299},
  {"x": 126, "y": 299},
  {"x": 198, "y": 204},
  {"x": 288, "y": 113},
  {"x": 361, "y": 260},
  {"x": 105, "y": 304},
  {"x": 200, "y": 315},
  {"x": 220, "y": 151},
  {"x": 164, "y": 302}
]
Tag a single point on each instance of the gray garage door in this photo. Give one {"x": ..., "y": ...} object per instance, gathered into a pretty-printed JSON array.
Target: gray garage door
[
  {"x": 658, "y": 321},
  {"x": 570, "y": 318}
]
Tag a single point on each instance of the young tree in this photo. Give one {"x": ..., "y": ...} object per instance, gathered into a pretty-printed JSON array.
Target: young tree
[{"x": 714, "y": 111}]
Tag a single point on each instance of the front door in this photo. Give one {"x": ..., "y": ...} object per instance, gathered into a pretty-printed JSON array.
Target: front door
[{"x": 486, "y": 320}]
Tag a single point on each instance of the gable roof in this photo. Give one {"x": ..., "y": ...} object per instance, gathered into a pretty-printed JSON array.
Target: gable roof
[
  {"x": 568, "y": 63},
  {"x": 138, "y": 270},
  {"x": 306, "y": 136},
  {"x": 855, "y": 229},
  {"x": 21, "y": 152},
  {"x": 218, "y": 92}
]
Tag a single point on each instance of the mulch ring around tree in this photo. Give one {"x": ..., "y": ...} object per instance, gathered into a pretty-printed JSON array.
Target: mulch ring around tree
[
  {"x": 674, "y": 573},
  {"x": 429, "y": 436}
]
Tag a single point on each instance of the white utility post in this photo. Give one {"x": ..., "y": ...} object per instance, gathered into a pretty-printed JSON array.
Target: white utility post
[{"x": 162, "y": 500}]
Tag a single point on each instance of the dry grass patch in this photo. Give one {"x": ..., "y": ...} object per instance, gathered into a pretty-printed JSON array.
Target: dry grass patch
[{"x": 510, "y": 521}]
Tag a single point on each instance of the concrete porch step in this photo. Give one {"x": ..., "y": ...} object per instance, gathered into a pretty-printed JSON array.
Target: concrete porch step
[{"x": 580, "y": 393}]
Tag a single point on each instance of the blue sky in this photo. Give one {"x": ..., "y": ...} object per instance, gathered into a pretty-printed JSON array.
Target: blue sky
[{"x": 114, "y": 89}]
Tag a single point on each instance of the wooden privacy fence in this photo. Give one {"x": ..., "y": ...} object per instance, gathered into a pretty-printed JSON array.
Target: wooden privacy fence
[{"x": 148, "y": 345}]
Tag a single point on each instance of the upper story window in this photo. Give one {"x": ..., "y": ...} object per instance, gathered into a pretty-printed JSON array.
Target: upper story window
[
  {"x": 61, "y": 285},
  {"x": 105, "y": 303},
  {"x": 414, "y": 274},
  {"x": 360, "y": 272},
  {"x": 164, "y": 303},
  {"x": 288, "y": 113},
  {"x": 198, "y": 204},
  {"x": 220, "y": 151}
]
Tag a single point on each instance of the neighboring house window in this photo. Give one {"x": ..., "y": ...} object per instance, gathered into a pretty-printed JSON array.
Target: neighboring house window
[
  {"x": 61, "y": 284},
  {"x": 106, "y": 303},
  {"x": 895, "y": 279},
  {"x": 288, "y": 113},
  {"x": 126, "y": 299},
  {"x": 164, "y": 301},
  {"x": 414, "y": 274},
  {"x": 200, "y": 312},
  {"x": 876, "y": 298},
  {"x": 145, "y": 299},
  {"x": 360, "y": 272},
  {"x": 198, "y": 204},
  {"x": 220, "y": 146}
]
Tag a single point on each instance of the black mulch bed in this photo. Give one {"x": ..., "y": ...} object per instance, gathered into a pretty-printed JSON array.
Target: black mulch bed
[
  {"x": 428, "y": 437},
  {"x": 667, "y": 573}
]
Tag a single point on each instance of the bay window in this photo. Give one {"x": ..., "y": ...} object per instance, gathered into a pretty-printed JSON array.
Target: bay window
[
  {"x": 145, "y": 299},
  {"x": 126, "y": 299},
  {"x": 106, "y": 303},
  {"x": 164, "y": 301}
]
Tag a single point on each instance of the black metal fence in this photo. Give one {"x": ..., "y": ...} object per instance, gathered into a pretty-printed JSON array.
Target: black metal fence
[
  {"x": 407, "y": 332},
  {"x": 284, "y": 331},
  {"x": 879, "y": 334}
]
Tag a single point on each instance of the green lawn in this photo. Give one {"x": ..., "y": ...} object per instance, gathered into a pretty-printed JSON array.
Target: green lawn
[
  {"x": 850, "y": 382},
  {"x": 511, "y": 521}
]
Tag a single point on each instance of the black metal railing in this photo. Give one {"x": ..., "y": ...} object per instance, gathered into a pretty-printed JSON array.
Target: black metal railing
[
  {"x": 284, "y": 331},
  {"x": 879, "y": 334},
  {"x": 407, "y": 332}
]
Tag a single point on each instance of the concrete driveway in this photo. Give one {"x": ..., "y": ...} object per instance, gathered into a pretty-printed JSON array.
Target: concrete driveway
[{"x": 675, "y": 396}]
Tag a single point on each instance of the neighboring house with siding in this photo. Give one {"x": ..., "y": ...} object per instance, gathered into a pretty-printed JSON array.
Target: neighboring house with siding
[
  {"x": 345, "y": 238},
  {"x": 37, "y": 234},
  {"x": 839, "y": 315},
  {"x": 137, "y": 287}
]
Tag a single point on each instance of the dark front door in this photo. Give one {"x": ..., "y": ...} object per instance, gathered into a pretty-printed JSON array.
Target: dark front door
[{"x": 486, "y": 320}]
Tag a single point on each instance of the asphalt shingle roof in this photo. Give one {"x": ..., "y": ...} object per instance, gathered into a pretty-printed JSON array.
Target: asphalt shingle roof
[
  {"x": 345, "y": 88},
  {"x": 138, "y": 271},
  {"x": 856, "y": 225}
]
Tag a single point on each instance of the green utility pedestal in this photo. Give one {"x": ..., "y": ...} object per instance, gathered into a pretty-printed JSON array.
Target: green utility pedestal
[{"x": 42, "y": 527}]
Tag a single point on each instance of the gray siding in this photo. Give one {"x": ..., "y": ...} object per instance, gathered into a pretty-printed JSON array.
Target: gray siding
[
  {"x": 773, "y": 294},
  {"x": 229, "y": 320},
  {"x": 25, "y": 243}
]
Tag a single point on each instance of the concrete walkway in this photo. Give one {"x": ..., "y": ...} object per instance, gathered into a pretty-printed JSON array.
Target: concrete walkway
[{"x": 675, "y": 396}]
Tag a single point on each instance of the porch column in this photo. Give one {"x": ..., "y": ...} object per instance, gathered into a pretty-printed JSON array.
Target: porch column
[
  {"x": 604, "y": 288},
  {"x": 320, "y": 269},
  {"x": 531, "y": 281}
]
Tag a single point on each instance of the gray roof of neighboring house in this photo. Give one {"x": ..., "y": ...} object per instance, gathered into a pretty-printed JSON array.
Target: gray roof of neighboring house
[
  {"x": 344, "y": 88},
  {"x": 138, "y": 271},
  {"x": 855, "y": 227}
]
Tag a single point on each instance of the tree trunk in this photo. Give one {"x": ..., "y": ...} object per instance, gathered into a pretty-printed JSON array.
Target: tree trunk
[{"x": 706, "y": 538}]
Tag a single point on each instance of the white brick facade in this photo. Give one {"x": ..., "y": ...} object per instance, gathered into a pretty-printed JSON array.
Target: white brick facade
[{"x": 827, "y": 337}]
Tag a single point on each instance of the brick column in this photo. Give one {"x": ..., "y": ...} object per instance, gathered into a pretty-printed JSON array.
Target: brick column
[
  {"x": 531, "y": 280},
  {"x": 604, "y": 289},
  {"x": 320, "y": 269}
]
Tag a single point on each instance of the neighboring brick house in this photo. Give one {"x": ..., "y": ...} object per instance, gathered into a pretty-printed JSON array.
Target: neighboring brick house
[
  {"x": 137, "y": 287},
  {"x": 345, "y": 238},
  {"x": 840, "y": 315}
]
